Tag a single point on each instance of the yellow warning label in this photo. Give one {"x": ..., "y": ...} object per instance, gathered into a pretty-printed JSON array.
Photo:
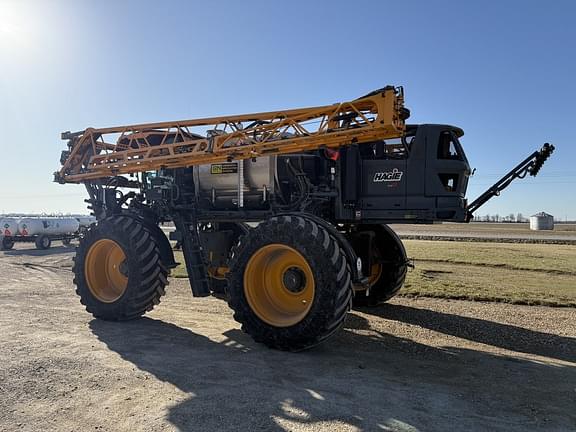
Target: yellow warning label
[{"x": 224, "y": 168}]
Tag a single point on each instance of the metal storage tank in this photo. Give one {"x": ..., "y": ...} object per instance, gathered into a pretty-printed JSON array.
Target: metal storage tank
[
  {"x": 541, "y": 221},
  {"x": 50, "y": 226},
  {"x": 8, "y": 227}
]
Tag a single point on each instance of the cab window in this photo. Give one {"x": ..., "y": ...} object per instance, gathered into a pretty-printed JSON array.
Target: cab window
[
  {"x": 395, "y": 148},
  {"x": 448, "y": 147}
]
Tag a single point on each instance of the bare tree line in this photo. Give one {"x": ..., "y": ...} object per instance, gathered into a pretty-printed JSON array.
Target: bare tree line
[{"x": 512, "y": 218}]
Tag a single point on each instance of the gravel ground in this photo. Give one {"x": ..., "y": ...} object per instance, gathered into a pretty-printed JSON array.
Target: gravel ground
[{"x": 414, "y": 364}]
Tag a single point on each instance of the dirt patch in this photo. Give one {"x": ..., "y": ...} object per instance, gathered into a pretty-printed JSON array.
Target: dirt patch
[{"x": 415, "y": 364}]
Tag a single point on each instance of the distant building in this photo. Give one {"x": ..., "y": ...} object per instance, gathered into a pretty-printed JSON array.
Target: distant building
[{"x": 541, "y": 221}]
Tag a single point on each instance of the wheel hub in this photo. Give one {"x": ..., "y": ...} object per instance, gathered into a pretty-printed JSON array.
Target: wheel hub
[
  {"x": 294, "y": 280},
  {"x": 279, "y": 285},
  {"x": 123, "y": 268},
  {"x": 106, "y": 270}
]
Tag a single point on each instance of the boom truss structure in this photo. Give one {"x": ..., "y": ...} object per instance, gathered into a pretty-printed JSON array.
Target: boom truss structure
[{"x": 102, "y": 153}]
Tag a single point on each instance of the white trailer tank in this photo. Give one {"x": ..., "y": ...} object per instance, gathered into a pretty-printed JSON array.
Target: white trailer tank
[
  {"x": 48, "y": 226},
  {"x": 8, "y": 227}
]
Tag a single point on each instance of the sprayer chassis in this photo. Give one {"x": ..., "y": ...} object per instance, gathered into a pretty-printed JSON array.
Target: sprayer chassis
[{"x": 284, "y": 220}]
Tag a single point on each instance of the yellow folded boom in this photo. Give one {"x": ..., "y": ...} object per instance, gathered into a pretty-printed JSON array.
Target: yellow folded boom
[{"x": 101, "y": 153}]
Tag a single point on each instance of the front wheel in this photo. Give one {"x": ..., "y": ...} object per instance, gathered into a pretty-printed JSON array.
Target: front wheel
[
  {"x": 289, "y": 283},
  {"x": 118, "y": 270}
]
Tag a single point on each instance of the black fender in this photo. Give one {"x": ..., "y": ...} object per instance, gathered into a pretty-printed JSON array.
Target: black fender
[
  {"x": 387, "y": 236},
  {"x": 163, "y": 244},
  {"x": 166, "y": 253}
]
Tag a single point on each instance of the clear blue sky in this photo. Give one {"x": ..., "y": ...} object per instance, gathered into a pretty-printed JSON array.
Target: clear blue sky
[{"x": 504, "y": 71}]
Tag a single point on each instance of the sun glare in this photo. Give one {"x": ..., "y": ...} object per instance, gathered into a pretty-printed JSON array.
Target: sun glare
[
  {"x": 16, "y": 27},
  {"x": 9, "y": 28}
]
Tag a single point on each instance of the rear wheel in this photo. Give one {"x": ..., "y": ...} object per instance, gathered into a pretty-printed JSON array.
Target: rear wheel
[
  {"x": 388, "y": 272},
  {"x": 43, "y": 242},
  {"x": 7, "y": 243},
  {"x": 290, "y": 284},
  {"x": 118, "y": 271}
]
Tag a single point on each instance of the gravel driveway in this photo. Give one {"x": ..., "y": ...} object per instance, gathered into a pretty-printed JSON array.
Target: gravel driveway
[{"x": 414, "y": 364}]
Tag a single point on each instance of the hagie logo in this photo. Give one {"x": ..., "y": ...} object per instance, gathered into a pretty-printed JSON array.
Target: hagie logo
[{"x": 392, "y": 176}]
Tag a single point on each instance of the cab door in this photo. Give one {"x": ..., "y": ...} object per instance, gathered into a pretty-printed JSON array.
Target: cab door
[
  {"x": 383, "y": 178},
  {"x": 447, "y": 169}
]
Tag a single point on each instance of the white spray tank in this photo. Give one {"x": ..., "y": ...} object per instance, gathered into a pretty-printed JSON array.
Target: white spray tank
[
  {"x": 8, "y": 227},
  {"x": 48, "y": 226}
]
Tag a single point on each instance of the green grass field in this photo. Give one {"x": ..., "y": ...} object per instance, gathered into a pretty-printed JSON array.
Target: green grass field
[
  {"x": 532, "y": 274},
  {"x": 514, "y": 273}
]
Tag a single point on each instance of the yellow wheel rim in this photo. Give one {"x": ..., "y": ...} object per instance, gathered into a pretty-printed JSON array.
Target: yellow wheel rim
[
  {"x": 104, "y": 270},
  {"x": 279, "y": 285},
  {"x": 375, "y": 273}
]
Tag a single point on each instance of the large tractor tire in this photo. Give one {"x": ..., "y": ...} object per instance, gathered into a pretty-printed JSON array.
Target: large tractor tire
[
  {"x": 388, "y": 273},
  {"x": 289, "y": 283},
  {"x": 118, "y": 270}
]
